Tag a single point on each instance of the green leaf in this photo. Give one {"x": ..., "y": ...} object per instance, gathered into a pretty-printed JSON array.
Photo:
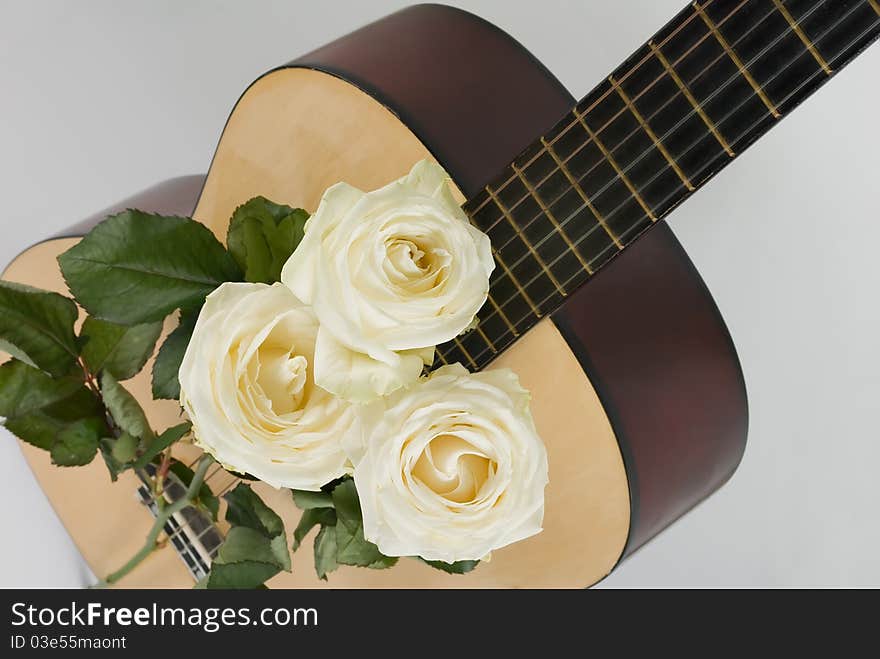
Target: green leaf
[
  {"x": 459, "y": 567},
  {"x": 124, "y": 448},
  {"x": 114, "y": 467},
  {"x": 205, "y": 497},
  {"x": 162, "y": 442},
  {"x": 262, "y": 236},
  {"x": 166, "y": 368},
  {"x": 255, "y": 548},
  {"x": 135, "y": 267},
  {"x": 325, "y": 552},
  {"x": 309, "y": 520},
  {"x": 36, "y": 327},
  {"x": 38, "y": 407},
  {"x": 245, "y": 508},
  {"x": 383, "y": 563},
  {"x": 245, "y": 544},
  {"x": 244, "y": 575},
  {"x": 305, "y": 500},
  {"x": 120, "y": 350},
  {"x": 77, "y": 444},
  {"x": 351, "y": 546},
  {"x": 125, "y": 410}
]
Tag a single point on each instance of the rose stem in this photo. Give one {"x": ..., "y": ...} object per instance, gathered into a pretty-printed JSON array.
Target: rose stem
[{"x": 163, "y": 516}]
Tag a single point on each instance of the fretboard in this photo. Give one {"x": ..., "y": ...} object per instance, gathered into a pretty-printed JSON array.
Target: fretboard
[{"x": 697, "y": 94}]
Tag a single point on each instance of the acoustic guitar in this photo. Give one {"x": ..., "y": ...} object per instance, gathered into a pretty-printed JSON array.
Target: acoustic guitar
[{"x": 637, "y": 390}]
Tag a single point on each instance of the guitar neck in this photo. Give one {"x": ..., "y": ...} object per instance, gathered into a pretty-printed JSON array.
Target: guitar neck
[{"x": 696, "y": 95}]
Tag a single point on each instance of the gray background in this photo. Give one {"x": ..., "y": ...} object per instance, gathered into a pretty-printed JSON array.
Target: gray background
[{"x": 101, "y": 99}]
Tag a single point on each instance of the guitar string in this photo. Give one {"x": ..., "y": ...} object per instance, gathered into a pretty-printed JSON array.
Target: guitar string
[
  {"x": 867, "y": 31},
  {"x": 638, "y": 129},
  {"x": 608, "y": 92},
  {"x": 624, "y": 110},
  {"x": 661, "y": 171},
  {"x": 689, "y": 115}
]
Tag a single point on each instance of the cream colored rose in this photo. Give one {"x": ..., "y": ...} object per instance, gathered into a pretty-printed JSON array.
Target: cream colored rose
[
  {"x": 451, "y": 468},
  {"x": 248, "y": 386},
  {"x": 391, "y": 274}
]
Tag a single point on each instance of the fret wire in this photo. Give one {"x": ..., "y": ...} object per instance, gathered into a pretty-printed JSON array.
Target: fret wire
[
  {"x": 489, "y": 344},
  {"x": 736, "y": 60},
  {"x": 748, "y": 131},
  {"x": 488, "y": 341},
  {"x": 525, "y": 241},
  {"x": 552, "y": 219},
  {"x": 620, "y": 112},
  {"x": 583, "y": 195},
  {"x": 650, "y": 132},
  {"x": 442, "y": 357},
  {"x": 516, "y": 283},
  {"x": 803, "y": 37},
  {"x": 717, "y": 91},
  {"x": 503, "y": 315},
  {"x": 465, "y": 351},
  {"x": 690, "y": 97},
  {"x": 875, "y": 5},
  {"x": 611, "y": 161},
  {"x": 607, "y": 93}
]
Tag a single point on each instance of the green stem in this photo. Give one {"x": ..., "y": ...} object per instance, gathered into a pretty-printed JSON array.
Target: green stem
[{"x": 161, "y": 519}]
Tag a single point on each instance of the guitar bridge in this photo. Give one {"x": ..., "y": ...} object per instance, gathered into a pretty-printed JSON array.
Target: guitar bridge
[{"x": 191, "y": 532}]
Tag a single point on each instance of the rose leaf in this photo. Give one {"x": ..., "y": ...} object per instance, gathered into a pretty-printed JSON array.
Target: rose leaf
[
  {"x": 306, "y": 500},
  {"x": 118, "y": 349},
  {"x": 459, "y": 567},
  {"x": 36, "y": 408},
  {"x": 125, "y": 410},
  {"x": 245, "y": 508},
  {"x": 351, "y": 546},
  {"x": 135, "y": 267},
  {"x": 325, "y": 552},
  {"x": 36, "y": 327},
  {"x": 255, "y": 548},
  {"x": 310, "y": 519},
  {"x": 166, "y": 368},
  {"x": 262, "y": 235},
  {"x": 77, "y": 444}
]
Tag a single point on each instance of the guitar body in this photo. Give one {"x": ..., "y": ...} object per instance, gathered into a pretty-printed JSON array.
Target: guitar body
[{"x": 637, "y": 390}]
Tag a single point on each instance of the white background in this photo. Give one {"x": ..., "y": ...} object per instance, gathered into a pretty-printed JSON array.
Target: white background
[{"x": 101, "y": 99}]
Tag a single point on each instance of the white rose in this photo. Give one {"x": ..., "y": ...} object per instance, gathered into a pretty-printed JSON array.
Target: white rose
[
  {"x": 248, "y": 386},
  {"x": 391, "y": 274},
  {"x": 451, "y": 468}
]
